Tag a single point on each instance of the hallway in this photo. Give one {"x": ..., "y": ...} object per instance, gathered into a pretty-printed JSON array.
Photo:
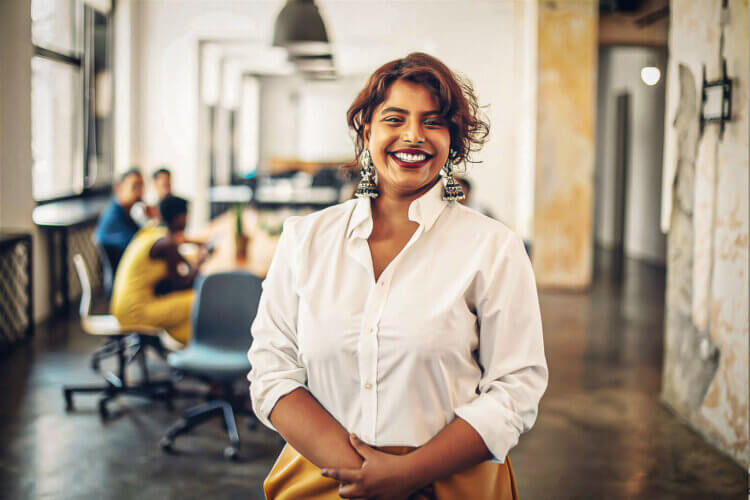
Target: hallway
[{"x": 601, "y": 433}]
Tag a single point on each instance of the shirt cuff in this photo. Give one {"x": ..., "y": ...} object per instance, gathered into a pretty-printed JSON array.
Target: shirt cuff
[
  {"x": 281, "y": 389},
  {"x": 498, "y": 436}
]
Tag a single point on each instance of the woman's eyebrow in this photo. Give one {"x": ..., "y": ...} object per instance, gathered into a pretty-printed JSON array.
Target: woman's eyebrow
[{"x": 392, "y": 109}]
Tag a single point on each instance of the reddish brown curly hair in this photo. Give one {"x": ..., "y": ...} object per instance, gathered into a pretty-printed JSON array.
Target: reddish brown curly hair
[{"x": 454, "y": 94}]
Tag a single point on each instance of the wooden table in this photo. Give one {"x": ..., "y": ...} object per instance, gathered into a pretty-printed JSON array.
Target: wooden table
[{"x": 260, "y": 248}]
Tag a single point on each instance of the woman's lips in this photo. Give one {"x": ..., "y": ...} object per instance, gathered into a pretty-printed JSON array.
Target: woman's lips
[{"x": 408, "y": 164}]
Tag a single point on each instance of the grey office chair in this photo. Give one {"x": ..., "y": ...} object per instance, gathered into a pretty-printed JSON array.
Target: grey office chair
[
  {"x": 126, "y": 345},
  {"x": 223, "y": 311}
]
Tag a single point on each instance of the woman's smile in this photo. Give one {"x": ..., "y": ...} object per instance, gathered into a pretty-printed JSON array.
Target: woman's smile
[{"x": 410, "y": 158}]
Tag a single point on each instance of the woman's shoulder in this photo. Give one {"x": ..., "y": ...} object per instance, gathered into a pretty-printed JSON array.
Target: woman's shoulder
[
  {"x": 472, "y": 222},
  {"x": 330, "y": 219}
]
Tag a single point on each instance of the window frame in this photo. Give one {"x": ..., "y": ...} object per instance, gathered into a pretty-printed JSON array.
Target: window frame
[{"x": 84, "y": 61}]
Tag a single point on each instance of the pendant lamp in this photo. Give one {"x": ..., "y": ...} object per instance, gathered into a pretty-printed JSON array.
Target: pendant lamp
[{"x": 300, "y": 28}]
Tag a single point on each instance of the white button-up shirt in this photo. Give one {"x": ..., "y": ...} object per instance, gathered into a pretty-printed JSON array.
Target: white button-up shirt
[{"x": 451, "y": 328}]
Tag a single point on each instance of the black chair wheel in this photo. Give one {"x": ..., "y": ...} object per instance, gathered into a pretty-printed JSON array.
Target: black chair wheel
[
  {"x": 231, "y": 453},
  {"x": 68, "y": 400},
  {"x": 167, "y": 444}
]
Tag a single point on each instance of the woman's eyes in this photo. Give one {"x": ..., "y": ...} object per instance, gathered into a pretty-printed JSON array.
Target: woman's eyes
[{"x": 430, "y": 122}]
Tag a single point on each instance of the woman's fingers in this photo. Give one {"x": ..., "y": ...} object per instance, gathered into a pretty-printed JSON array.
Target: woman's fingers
[
  {"x": 351, "y": 490},
  {"x": 343, "y": 475}
]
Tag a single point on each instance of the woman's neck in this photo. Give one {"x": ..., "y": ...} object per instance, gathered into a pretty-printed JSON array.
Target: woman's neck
[{"x": 393, "y": 208}]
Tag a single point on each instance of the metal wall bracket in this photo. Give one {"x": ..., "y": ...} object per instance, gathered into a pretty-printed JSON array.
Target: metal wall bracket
[{"x": 724, "y": 114}]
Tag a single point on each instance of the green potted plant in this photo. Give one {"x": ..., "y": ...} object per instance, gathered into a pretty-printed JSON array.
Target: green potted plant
[{"x": 240, "y": 238}]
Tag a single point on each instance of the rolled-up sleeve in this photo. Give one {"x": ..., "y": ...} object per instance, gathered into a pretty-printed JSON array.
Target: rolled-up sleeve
[
  {"x": 274, "y": 356},
  {"x": 511, "y": 352}
]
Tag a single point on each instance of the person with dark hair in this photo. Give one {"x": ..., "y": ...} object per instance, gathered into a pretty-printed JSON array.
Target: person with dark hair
[
  {"x": 470, "y": 200},
  {"x": 162, "y": 179},
  {"x": 148, "y": 211},
  {"x": 116, "y": 227},
  {"x": 401, "y": 327},
  {"x": 149, "y": 288}
]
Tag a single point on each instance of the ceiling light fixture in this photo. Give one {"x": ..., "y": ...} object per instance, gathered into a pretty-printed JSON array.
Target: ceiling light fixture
[
  {"x": 299, "y": 27},
  {"x": 650, "y": 75}
]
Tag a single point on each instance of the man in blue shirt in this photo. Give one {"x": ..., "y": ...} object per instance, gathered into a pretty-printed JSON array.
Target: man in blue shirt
[{"x": 116, "y": 227}]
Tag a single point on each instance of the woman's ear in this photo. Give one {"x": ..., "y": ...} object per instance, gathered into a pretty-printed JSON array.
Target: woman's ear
[{"x": 366, "y": 135}]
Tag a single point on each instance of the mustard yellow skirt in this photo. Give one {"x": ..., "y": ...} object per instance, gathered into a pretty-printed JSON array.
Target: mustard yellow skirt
[{"x": 293, "y": 477}]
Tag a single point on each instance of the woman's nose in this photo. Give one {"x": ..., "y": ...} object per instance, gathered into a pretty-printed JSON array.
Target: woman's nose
[{"x": 413, "y": 133}]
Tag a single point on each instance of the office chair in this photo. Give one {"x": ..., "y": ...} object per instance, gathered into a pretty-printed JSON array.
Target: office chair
[
  {"x": 223, "y": 311},
  {"x": 108, "y": 270},
  {"x": 126, "y": 345}
]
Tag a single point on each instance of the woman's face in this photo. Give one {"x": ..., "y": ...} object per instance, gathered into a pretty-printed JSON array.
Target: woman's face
[{"x": 408, "y": 139}]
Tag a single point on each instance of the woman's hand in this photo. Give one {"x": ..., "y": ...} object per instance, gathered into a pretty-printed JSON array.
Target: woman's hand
[{"x": 382, "y": 476}]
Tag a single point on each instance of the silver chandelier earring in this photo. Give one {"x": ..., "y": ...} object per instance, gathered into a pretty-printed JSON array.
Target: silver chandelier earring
[
  {"x": 452, "y": 190},
  {"x": 367, "y": 187}
]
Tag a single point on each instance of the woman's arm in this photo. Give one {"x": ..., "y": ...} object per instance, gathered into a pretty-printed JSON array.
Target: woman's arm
[
  {"x": 278, "y": 379},
  {"x": 457, "y": 447},
  {"x": 167, "y": 250},
  {"x": 313, "y": 432},
  {"x": 384, "y": 476}
]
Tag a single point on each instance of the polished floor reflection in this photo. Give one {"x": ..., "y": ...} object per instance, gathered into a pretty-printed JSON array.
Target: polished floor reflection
[{"x": 601, "y": 433}]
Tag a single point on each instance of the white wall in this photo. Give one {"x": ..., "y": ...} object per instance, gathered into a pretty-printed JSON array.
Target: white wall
[
  {"x": 620, "y": 71},
  {"x": 475, "y": 38},
  {"x": 16, "y": 200},
  {"x": 306, "y": 119},
  {"x": 323, "y": 133},
  {"x": 279, "y": 123}
]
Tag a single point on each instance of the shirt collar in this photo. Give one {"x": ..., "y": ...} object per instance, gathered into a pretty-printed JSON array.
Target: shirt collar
[{"x": 424, "y": 211}]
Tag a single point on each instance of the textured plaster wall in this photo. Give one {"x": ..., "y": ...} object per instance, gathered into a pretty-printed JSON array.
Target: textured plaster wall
[
  {"x": 567, "y": 48},
  {"x": 705, "y": 211}
]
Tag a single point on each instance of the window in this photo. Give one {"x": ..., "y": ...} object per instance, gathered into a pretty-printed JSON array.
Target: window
[{"x": 71, "y": 98}]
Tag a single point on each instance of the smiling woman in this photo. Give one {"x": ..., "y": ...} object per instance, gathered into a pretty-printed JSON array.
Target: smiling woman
[
  {"x": 453, "y": 105},
  {"x": 402, "y": 328}
]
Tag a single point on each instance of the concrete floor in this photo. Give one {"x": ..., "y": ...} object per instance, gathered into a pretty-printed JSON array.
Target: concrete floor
[{"x": 601, "y": 432}]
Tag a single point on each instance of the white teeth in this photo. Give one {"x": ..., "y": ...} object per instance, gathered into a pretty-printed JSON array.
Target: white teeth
[{"x": 411, "y": 158}]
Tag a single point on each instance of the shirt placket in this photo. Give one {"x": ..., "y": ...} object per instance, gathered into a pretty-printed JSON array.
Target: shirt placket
[
  {"x": 368, "y": 345},
  {"x": 368, "y": 359}
]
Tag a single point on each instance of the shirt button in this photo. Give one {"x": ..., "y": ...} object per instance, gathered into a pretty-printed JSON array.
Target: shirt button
[{"x": 368, "y": 386}]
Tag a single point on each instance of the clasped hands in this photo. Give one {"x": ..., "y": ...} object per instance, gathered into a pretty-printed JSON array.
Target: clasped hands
[{"x": 382, "y": 476}]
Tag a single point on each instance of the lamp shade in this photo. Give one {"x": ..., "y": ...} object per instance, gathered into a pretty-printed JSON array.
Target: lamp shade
[{"x": 299, "y": 23}]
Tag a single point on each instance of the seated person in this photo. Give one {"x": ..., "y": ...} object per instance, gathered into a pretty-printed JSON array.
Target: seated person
[
  {"x": 162, "y": 186},
  {"x": 162, "y": 183},
  {"x": 116, "y": 227},
  {"x": 149, "y": 289}
]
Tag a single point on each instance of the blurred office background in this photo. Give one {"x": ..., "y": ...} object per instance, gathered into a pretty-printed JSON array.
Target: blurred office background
[{"x": 618, "y": 151}]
